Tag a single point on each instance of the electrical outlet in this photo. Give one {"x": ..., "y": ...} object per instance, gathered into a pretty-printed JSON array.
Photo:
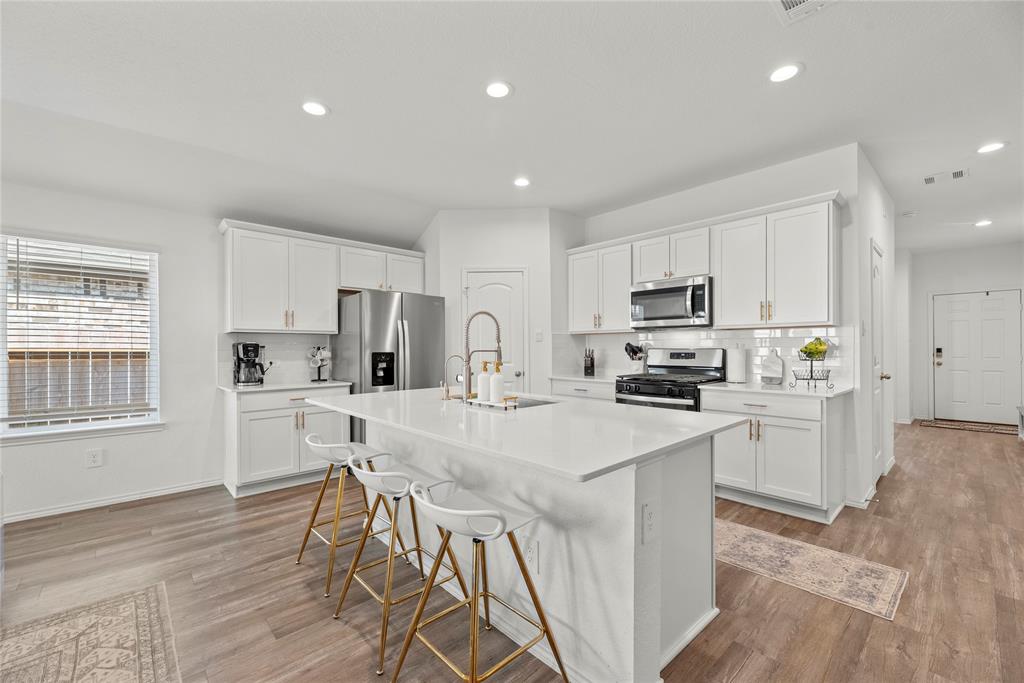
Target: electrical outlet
[
  {"x": 538, "y": 336},
  {"x": 532, "y": 557},
  {"x": 648, "y": 523},
  {"x": 94, "y": 457}
]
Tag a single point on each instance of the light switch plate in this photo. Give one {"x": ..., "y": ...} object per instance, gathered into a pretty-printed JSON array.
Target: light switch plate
[{"x": 538, "y": 336}]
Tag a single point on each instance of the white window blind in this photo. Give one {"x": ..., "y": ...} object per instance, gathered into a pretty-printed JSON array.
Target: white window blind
[{"x": 79, "y": 335}]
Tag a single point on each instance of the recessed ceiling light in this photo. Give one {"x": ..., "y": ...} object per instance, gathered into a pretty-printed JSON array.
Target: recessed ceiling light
[
  {"x": 314, "y": 108},
  {"x": 522, "y": 181},
  {"x": 983, "y": 223},
  {"x": 991, "y": 147},
  {"x": 786, "y": 72},
  {"x": 498, "y": 89}
]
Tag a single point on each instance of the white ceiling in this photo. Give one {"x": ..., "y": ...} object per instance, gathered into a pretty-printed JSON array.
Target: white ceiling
[{"x": 196, "y": 105}]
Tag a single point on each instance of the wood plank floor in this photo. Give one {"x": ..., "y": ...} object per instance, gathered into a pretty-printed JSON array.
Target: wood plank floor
[{"x": 951, "y": 512}]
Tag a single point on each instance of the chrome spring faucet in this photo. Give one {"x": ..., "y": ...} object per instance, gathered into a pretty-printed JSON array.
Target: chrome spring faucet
[{"x": 467, "y": 354}]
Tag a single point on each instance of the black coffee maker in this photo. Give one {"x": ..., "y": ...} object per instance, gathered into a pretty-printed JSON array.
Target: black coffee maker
[{"x": 249, "y": 365}]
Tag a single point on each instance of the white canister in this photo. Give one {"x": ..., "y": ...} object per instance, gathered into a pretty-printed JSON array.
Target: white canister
[
  {"x": 483, "y": 384},
  {"x": 736, "y": 365},
  {"x": 497, "y": 384}
]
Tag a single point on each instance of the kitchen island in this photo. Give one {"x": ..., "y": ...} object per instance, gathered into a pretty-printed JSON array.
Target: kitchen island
[{"x": 623, "y": 555}]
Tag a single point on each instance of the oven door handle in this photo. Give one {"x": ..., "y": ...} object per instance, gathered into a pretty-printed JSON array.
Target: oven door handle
[{"x": 655, "y": 399}]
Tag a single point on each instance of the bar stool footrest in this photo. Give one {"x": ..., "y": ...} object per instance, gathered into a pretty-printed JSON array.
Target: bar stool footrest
[{"x": 404, "y": 554}]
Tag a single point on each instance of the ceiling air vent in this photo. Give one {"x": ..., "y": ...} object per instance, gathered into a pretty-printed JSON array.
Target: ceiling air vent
[
  {"x": 947, "y": 176},
  {"x": 790, "y": 11}
]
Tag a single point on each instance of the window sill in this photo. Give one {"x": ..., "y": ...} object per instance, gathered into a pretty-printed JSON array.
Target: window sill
[{"x": 10, "y": 439}]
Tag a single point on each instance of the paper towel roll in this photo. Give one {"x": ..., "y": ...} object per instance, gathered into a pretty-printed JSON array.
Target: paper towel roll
[{"x": 736, "y": 365}]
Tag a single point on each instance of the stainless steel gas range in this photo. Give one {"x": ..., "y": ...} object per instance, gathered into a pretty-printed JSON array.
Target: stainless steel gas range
[{"x": 672, "y": 379}]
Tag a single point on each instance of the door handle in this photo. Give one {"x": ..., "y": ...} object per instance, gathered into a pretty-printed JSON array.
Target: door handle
[
  {"x": 400, "y": 361},
  {"x": 886, "y": 375},
  {"x": 519, "y": 373},
  {"x": 938, "y": 362}
]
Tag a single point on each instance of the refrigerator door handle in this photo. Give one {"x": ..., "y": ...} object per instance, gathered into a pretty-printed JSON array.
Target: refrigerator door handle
[
  {"x": 400, "y": 364},
  {"x": 405, "y": 353}
]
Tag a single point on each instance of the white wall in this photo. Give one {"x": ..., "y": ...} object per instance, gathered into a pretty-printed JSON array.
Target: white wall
[
  {"x": 902, "y": 372},
  {"x": 949, "y": 272},
  {"x": 50, "y": 477}
]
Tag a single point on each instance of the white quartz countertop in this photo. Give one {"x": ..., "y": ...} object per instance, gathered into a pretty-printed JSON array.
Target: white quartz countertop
[
  {"x": 571, "y": 438},
  {"x": 780, "y": 389},
  {"x": 599, "y": 379},
  {"x": 284, "y": 386}
]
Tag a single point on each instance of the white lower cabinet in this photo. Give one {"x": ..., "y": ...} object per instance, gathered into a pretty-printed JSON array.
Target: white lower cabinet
[
  {"x": 785, "y": 456},
  {"x": 266, "y": 433},
  {"x": 583, "y": 389}
]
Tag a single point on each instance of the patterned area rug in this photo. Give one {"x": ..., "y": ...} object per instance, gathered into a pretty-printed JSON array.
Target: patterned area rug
[
  {"x": 127, "y": 639},
  {"x": 971, "y": 426},
  {"x": 868, "y": 586}
]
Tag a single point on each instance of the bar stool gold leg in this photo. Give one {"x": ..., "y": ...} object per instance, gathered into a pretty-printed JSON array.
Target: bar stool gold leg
[
  {"x": 416, "y": 537},
  {"x": 386, "y": 607},
  {"x": 536, "y": 603},
  {"x": 474, "y": 613},
  {"x": 335, "y": 528},
  {"x": 446, "y": 537},
  {"x": 356, "y": 556},
  {"x": 455, "y": 565},
  {"x": 483, "y": 575},
  {"x": 316, "y": 510},
  {"x": 387, "y": 507}
]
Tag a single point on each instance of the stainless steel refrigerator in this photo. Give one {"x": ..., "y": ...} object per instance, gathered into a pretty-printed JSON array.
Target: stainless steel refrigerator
[{"x": 388, "y": 341}]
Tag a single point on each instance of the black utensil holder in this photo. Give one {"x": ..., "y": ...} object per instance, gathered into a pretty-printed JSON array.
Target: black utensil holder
[{"x": 588, "y": 367}]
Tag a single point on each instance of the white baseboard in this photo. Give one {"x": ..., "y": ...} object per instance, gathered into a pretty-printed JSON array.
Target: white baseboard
[
  {"x": 904, "y": 421},
  {"x": 889, "y": 465},
  {"x": 243, "y": 490},
  {"x": 675, "y": 648},
  {"x": 110, "y": 500},
  {"x": 863, "y": 504}
]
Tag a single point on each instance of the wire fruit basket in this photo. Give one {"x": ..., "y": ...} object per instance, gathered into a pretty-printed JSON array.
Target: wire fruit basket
[{"x": 812, "y": 375}]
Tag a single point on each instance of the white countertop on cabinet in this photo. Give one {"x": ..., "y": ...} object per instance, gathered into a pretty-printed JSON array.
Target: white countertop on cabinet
[
  {"x": 570, "y": 438},
  {"x": 284, "y": 386},
  {"x": 780, "y": 389}
]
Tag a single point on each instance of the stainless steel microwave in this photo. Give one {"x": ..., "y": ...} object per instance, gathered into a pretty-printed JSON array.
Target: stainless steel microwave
[{"x": 679, "y": 302}]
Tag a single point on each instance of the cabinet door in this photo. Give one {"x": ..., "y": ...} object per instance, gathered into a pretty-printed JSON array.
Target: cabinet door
[
  {"x": 691, "y": 253},
  {"x": 268, "y": 444},
  {"x": 584, "y": 301},
  {"x": 332, "y": 427},
  {"x": 739, "y": 271},
  {"x": 616, "y": 279},
  {"x": 363, "y": 268},
  {"x": 405, "y": 273},
  {"x": 651, "y": 259},
  {"x": 799, "y": 261},
  {"x": 259, "y": 281},
  {"x": 313, "y": 287},
  {"x": 789, "y": 459},
  {"x": 735, "y": 456}
]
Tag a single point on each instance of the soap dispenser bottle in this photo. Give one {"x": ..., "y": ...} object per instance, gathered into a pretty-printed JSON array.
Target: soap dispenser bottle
[
  {"x": 483, "y": 385},
  {"x": 497, "y": 384}
]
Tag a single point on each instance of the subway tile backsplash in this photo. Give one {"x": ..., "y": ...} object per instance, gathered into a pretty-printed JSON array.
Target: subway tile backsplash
[
  {"x": 288, "y": 352},
  {"x": 610, "y": 357}
]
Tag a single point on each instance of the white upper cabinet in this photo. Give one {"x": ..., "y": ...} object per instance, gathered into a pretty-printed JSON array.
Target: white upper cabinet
[
  {"x": 370, "y": 269},
  {"x": 651, "y": 259},
  {"x": 313, "y": 288},
  {"x": 584, "y": 299},
  {"x": 405, "y": 273},
  {"x": 363, "y": 268},
  {"x": 691, "y": 253},
  {"x": 775, "y": 270},
  {"x": 799, "y": 266},
  {"x": 682, "y": 254},
  {"x": 739, "y": 251},
  {"x": 257, "y": 281},
  {"x": 599, "y": 290},
  {"x": 616, "y": 278}
]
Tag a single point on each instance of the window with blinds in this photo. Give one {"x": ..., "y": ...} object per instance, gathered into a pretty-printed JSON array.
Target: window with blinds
[{"x": 79, "y": 336}]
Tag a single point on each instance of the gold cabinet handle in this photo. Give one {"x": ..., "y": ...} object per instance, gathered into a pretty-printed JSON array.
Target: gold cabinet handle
[
  {"x": 303, "y": 414},
  {"x": 769, "y": 310},
  {"x": 296, "y": 419},
  {"x": 293, "y": 319},
  {"x": 750, "y": 429},
  {"x": 758, "y": 430},
  {"x": 762, "y": 310},
  {"x": 595, "y": 321},
  {"x": 600, "y": 320},
  {"x": 286, "y": 317}
]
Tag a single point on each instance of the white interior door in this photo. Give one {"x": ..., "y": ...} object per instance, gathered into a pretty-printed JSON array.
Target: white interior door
[
  {"x": 977, "y": 356},
  {"x": 877, "y": 365},
  {"x": 503, "y": 293}
]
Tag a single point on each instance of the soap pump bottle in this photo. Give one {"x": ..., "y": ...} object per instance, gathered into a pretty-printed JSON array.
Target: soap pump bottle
[
  {"x": 483, "y": 385},
  {"x": 497, "y": 384}
]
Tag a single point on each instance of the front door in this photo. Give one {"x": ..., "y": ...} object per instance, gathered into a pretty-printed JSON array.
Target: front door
[
  {"x": 503, "y": 293},
  {"x": 976, "y": 359}
]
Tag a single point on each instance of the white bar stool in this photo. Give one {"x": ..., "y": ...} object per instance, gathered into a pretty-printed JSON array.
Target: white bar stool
[
  {"x": 469, "y": 514},
  {"x": 393, "y": 480},
  {"x": 337, "y": 455}
]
